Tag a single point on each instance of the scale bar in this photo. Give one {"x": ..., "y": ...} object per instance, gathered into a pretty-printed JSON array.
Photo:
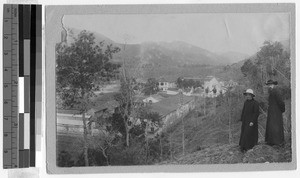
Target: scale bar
[{"x": 22, "y": 46}]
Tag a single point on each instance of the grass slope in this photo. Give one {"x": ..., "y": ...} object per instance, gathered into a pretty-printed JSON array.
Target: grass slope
[{"x": 207, "y": 141}]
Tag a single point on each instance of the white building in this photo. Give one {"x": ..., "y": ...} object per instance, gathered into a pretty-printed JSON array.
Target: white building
[
  {"x": 70, "y": 122},
  {"x": 212, "y": 84},
  {"x": 153, "y": 99},
  {"x": 172, "y": 92},
  {"x": 164, "y": 84}
]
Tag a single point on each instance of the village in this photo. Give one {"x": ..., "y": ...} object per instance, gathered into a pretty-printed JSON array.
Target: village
[
  {"x": 147, "y": 100},
  {"x": 171, "y": 102}
]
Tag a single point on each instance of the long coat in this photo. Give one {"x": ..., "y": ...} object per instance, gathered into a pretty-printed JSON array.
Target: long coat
[
  {"x": 249, "y": 134},
  {"x": 274, "y": 129}
]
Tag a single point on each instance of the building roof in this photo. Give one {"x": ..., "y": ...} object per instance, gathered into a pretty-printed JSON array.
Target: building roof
[
  {"x": 169, "y": 104},
  {"x": 157, "y": 97},
  {"x": 167, "y": 79},
  {"x": 201, "y": 79},
  {"x": 209, "y": 78},
  {"x": 70, "y": 116},
  {"x": 141, "y": 80},
  {"x": 68, "y": 111},
  {"x": 105, "y": 101},
  {"x": 173, "y": 89}
]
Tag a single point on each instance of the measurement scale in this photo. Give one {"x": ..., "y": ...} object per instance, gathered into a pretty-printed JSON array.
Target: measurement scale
[{"x": 10, "y": 86}]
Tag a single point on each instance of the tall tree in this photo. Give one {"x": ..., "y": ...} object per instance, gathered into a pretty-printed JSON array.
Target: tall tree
[
  {"x": 151, "y": 87},
  {"x": 272, "y": 61},
  {"x": 79, "y": 65},
  {"x": 127, "y": 110}
]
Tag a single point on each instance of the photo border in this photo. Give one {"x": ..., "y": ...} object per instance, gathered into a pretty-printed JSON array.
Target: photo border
[{"x": 53, "y": 25}]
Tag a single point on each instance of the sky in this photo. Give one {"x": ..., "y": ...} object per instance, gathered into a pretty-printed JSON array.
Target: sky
[{"x": 216, "y": 32}]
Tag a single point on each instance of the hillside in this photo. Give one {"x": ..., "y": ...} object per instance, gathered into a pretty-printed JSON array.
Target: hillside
[
  {"x": 167, "y": 59},
  {"x": 239, "y": 64},
  {"x": 230, "y": 154},
  {"x": 207, "y": 139},
  {"x": 233, "y": 57}
]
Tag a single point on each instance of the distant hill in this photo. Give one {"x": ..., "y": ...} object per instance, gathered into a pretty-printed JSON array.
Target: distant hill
[
  {"x": 170, "y": 59},
  {"x": 155, "y": 59},
  {"x": 233, "y": 57}
]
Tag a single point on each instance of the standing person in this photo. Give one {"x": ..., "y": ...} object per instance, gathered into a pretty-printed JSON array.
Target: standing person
[
  {"x": 250, "y": 113},
  {"x": 274, "y": 129}
]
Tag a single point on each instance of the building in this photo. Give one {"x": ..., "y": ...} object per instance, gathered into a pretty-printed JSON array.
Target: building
[
  {"x": 153, "y": 99},
  {"x": 173, "y": 108},
  {"x": 69, "y": 122},
  {"x": 231, "y": 83},
  {"x": 212, "y": 84},
  {"x": 172, "y": 91},
  {"x": 164, "y": 84}
]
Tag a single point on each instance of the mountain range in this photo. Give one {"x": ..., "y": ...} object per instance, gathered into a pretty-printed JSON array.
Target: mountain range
[
  {"x": 169, "y": 53},
  {"x": 170, "y": 59}
]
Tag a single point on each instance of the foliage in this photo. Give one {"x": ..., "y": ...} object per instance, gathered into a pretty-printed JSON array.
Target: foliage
[
  {"x": 95, "y": 156},
  {"x": 146, "y": 117},
  {"x": 126, "y": 104},
  {"x": 188, "y": 83},
  {"x": 206, "y": 90},
  {"x": 117, "y": 123},
  {"x": 151, "y": 87},
  {"x": 64, "y": 159},
  {"x": 214, "y": 90},
  {"x": 79, "y": 66},
  {"x": 271, "y": 62}
]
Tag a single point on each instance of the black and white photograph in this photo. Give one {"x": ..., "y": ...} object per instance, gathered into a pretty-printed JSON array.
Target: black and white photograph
[{"x": 157, "y": 89}]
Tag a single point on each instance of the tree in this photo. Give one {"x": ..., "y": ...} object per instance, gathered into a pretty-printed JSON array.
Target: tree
[
  {"x": 272, "y": 61},
  {"x": 125, "y": 100},
  {"x": 79, "y": 66},
  {"x": 148, "y": 119},
  {"x": 248, "y": 67},
  {"x": 104, "y": 141},
  {"x": 151, "y": 87},
  {"x": 214, "y": 90},
  {"x": 65, "y": 159},
  {"x": 179, "y": 82},
  {"x": 229, "y": 112},
  {"x": 206, "y": 90}
]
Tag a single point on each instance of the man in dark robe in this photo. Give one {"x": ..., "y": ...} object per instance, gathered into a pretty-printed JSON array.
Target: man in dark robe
[
  {"x": 274, "y": 128},
  {"x": 249, "y": 131}
]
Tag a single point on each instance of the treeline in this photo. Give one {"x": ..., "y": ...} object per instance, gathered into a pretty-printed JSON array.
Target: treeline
[
  {"x": 181, "y": 82},
  {"x": 271, "y": 62}
]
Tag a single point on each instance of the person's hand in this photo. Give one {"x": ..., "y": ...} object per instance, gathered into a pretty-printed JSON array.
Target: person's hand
[{"x": 251, "y": 124}]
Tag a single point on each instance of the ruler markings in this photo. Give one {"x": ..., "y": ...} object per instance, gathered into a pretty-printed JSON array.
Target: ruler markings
[
  {"x": 11, "y": 139},
  {"x": 10, "y": 47},
  {"x": 20, "y": 41}
]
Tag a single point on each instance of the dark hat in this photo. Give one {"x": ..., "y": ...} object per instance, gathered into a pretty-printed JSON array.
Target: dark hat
[{"x": 269, "y": 82}]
